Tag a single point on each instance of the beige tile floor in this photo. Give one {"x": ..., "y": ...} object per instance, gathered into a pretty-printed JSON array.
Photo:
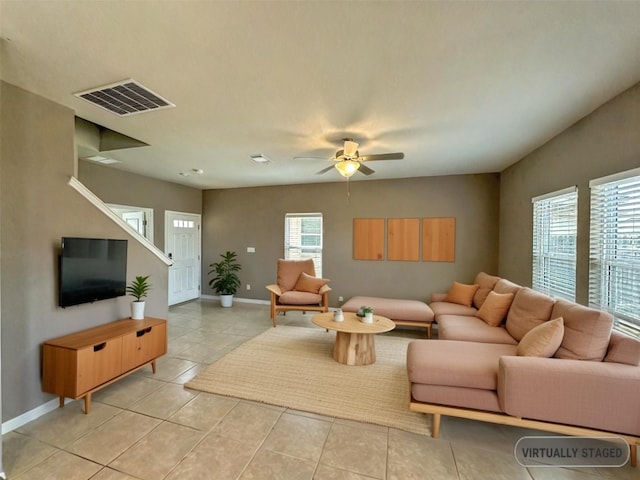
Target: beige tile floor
[{"x": 149, "y": 427}]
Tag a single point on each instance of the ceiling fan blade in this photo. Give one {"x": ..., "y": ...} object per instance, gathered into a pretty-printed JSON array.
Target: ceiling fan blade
[
  {"x": 325, "y": 170},
  {"x": 366, "y": 170},
  {"x": 382, "y": 156}
]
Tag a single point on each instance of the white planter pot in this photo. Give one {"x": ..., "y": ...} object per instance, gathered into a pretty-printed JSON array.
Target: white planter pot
[
  {"x": 226, "y": 300},
  {"x": 368, "y": 318},
  {"x": 137, "y": 310}
]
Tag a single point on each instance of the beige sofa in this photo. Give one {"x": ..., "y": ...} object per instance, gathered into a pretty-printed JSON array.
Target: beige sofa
[{"x": 539, "y": 363}]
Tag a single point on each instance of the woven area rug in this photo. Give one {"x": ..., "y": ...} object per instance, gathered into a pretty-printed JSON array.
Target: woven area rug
[{"x": 293, "y": 367}]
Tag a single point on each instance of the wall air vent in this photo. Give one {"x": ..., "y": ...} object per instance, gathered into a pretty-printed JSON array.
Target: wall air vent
[{"x": 125, "y": 98}]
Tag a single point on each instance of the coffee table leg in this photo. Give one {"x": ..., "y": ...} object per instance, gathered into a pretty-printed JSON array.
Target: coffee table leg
[{"x": 354, "y": 348}]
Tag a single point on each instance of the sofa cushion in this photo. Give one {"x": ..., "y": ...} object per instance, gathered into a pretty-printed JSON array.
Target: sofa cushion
[
  {"x": 456, "y": 396},
  {"x": 485, "y": 284},
  {"x": 307, "y": 283},
  {"x": 446, "y": 308},
  {"x": 543, "y": 340},
  {"x": 505, "y": 286},
  {"x": 289, "y": 271},
  {"x": 529, "y": 309},
  {"x": 461, "y": 294},
  {"x": 494, "y": 309},
  {"x": 471, "y": 329},
  {"x": 299, "y": 298},
  {"x": 392, "y": 308},
  {"x": 586, "y": 331},
  {"x": 456, "y": 364},
  {"x": 623, "y": 349}
]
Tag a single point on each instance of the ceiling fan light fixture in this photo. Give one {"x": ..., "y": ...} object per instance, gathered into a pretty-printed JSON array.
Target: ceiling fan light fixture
[
  {"x": 347, "y": 167},
  {"x": 350, "y": 148}
]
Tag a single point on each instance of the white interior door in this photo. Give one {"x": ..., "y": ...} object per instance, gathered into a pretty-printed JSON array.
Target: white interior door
[{"x": 182, "y": 245}]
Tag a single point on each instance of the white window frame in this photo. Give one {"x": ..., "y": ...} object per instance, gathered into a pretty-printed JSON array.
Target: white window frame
[
  {"x": 614, "y": 256},
  {"x": 555, "y": 225},
  {"x": 293, "y": 244}
]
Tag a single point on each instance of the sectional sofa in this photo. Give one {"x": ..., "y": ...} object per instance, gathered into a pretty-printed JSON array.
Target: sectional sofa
[{"x": 511, "y": 355}]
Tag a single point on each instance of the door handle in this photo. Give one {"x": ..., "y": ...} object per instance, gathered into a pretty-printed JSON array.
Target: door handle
[{"x": 170, "y": 256}]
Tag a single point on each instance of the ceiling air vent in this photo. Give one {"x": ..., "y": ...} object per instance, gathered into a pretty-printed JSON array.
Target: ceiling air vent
[{"x": 125, "y": 98}]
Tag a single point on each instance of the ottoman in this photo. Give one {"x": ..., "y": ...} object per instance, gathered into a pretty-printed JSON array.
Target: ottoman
[{"x": 403, "y": 312}]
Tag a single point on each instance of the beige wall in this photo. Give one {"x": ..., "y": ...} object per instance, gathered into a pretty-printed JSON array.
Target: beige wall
[
  {"x": 37, "y": 208},
  {"x": 123, "y": 188},
  {"x": 235, "y": 219},
  {"x": 605, "y": 142}
]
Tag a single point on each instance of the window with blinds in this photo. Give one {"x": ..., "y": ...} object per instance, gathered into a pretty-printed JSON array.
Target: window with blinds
[
  {"x": 303, "y": 238},
  {"x": 555, "y": 220},
  {"x": 614, "y": 257}
]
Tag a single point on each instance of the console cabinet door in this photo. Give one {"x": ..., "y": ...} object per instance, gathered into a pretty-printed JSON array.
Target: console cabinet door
[
  {"x": 143, "y": 346},
  {"x": 97, "y": 364}
]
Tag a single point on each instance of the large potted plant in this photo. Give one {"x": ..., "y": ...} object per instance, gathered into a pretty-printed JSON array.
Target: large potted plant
[
  {"x": 226, "y": 281},
  {"x": 138, "y": 288}
]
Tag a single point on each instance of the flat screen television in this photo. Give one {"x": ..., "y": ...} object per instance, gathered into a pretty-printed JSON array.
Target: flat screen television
[{"x": 91, "y": 269}]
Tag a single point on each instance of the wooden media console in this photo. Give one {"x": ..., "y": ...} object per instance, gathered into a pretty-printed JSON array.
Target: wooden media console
[{"x": 81, "y": 363}]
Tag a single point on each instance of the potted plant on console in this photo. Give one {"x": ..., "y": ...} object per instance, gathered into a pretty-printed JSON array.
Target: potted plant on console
[
  {"x": 139, "y": 288},
  {"x": 226, "y": 281}
]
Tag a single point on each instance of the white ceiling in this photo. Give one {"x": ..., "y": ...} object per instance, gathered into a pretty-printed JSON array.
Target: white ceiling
[{"x": 459, "y": 87}]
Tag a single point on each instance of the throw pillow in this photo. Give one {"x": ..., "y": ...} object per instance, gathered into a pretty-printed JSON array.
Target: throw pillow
[
  {"x": 461, "y": 293},
  {"x": 307, "y": 283},
  {"x": 495, "y": 308},
  {"x": 543, "y": 340}
]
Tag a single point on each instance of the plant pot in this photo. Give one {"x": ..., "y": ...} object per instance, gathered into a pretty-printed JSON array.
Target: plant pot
[
  {"x": 368, "y": 318},
  {"x": 137, "y": 310},
  {"x": 226, "y": 300}
]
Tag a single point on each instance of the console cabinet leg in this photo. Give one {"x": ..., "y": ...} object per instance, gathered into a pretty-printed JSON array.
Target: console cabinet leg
[
  {"x": 153, "y": 366},
  {"x": 61, "y": 401},
  {"x": 87, "y": 403}
]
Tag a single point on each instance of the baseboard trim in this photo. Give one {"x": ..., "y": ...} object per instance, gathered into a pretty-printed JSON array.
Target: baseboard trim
[
  {"x": 31, "y": 415},
  {"x": 237, "y": 299}
]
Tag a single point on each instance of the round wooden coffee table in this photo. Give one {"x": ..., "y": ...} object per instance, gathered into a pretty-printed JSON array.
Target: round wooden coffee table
[{"x": 354, "y": 343}]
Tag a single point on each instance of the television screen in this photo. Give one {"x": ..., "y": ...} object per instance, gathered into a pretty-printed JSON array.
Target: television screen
[{"x": 92, "y": 269}]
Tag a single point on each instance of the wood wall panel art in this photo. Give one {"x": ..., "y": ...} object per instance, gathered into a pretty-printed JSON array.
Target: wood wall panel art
[
  {"x": 403, "y": 239},
  {"x": 368, "y": 238},
  {"x": 438, "y": 239}
]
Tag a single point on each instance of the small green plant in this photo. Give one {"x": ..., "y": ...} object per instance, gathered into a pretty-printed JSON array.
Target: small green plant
[
  {"x": 362, "y": 311},
  {"x": 139, "y": 288},
  {"x": 226, "y": 280}
]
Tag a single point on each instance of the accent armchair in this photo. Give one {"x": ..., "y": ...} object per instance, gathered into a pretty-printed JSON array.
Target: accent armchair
[{"x": 298, "y": 288}]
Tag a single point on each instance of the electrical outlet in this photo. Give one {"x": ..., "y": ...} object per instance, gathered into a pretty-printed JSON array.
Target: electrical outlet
[
  {"x": 341, "y": 299},
  {"x": 248, "y": 286}
]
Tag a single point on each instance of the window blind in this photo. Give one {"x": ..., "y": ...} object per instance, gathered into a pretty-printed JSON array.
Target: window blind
[
  {"x": 554, "y": 243},
  {"x": 614, "y": 254},
  {"x": 303, "y": 238}
]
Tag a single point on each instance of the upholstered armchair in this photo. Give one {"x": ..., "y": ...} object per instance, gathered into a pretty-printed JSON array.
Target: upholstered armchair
[{"x": 298, "y": 288}]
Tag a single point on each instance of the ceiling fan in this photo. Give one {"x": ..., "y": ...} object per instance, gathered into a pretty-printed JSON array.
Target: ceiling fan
[{"x": 348, "y": 160}]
